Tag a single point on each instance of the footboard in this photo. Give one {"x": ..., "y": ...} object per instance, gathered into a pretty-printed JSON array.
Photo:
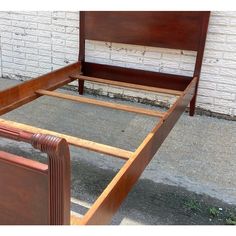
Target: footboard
[{"x": 32, "y": 192}]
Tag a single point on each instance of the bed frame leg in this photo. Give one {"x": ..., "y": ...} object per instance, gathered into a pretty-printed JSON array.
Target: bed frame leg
[
  {"x": 192, "y": 106},
  {"x": 81, "y": 86}
]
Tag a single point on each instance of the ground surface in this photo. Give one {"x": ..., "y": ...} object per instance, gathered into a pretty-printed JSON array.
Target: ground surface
[{"x": 190, "y": 178}]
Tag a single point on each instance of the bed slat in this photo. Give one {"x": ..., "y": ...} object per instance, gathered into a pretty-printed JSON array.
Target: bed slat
[{"x": 102, "y": 103}]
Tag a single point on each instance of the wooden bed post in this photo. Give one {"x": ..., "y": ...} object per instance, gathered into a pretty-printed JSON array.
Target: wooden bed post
[
  {"x": 199, "y": 59},
  {"x": 59, "y": 175},
  {"x": 81, "y": 51}
]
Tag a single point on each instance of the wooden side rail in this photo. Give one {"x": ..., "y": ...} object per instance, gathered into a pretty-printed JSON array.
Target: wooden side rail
[
  {"x": 92, "y": 146},
  {"x": 111, "y": 198},
  {"x": 128, "y": 85},
  {"x": 31, "y": 193},
  {"x": 102, "y": 103},
  {"x": 23, "y": 93}
]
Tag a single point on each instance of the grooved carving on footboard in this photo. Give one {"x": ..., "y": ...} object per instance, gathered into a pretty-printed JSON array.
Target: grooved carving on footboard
[
  {"x": 58, "y": 166},
  {"x": 58, "y": 171}
]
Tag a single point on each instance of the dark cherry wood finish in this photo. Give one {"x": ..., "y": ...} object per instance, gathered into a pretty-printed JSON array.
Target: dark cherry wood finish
[
  {"x": 31, "y": 192},
  {"x": 23, "y": 191},
  {"x": 179, "y": 30},
  {"x": 135, "y": 76},
  {"x": 21, "y": 94},
  {"x": 176, "y": 30}
]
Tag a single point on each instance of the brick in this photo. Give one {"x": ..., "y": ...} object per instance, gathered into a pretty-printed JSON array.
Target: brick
[
  {"x": 72, "y": 57},
  {"x": 188, "y": 59},
  {"x": 188, "y": 53},
  {"x": 205, "y": 99},
  {"x": 7, "y": 58},
  {"x": 163, "y": 50},
  {"x": 13, "y": 65},
  {"x": 7, "y": 47},
  {"x": 59, "y": 61},
  {"x": 45, "y": 13},
  {"x": 9, "y": 71},
  {"x": 72, "y": 30},
  {"x": 209, "y": 69},
  {"x": 175, "y": 57},
  {"x": 72, "y": 15},
  {"x": 6, "y": 34},
  {"x": 99, "y": 54},
  {"x": 207, "y": 85},
  {"x": 37, "y": 69},
  {"x": 59, "y": 14},
  {"x": 45, "y": 40},
  {"x": 213, "y": 54},
  {"x": 170, "y": 64},
  {"x": 212, "y": 37},
  {"x": 98, "y": 60},
  {"x": 222, "y": 110},
  {"x": 30, "y": 38},
  {"x": 60, "y": 29},
  {"x": 43, "y": 52},
  {"x": 46, "y": 27},
  {"x": 70, "y": 43},
  {"x": 230, "y": 55},
  {"x": 42, "y": 33},
  {"x": 219, "y": 20},
  {"x": 18, "y": 54},
  {"x": 186, "y": 66},
  {"x": 150, "y": 61},
  {"x": 44, "y": 65},
  {"x": 228, "y": 72},
  {"x": 20, "y": 61},
  {"x": 216, "y": 94},
  {"x": 58, "y": 41},
  {"x": 226, "y": 29},
  {"x": 225, "y": 103},
  {"x": 227, "y": 88},
  {"x": 58, "y": 54},
  {"x": 169, "y": 70},
  {"x": 40, "y": 19}
]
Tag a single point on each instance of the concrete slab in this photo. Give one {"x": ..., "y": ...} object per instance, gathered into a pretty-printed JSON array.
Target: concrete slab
[{"x": 197, "y": 157}]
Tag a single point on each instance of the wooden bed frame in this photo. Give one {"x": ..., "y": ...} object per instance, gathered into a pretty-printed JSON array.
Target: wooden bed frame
[{"x": 35, "y": 193}]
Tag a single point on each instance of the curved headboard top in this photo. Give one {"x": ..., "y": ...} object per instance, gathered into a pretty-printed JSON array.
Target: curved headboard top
[{"x": 177, "y": 30}]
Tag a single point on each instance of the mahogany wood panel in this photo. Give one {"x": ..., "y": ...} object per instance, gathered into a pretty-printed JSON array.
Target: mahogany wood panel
[
  {"x": 109, "y": 201},
  {"x": 24, "y": 191},
  {"x": 135, "y": 76},
  {"x": 31, "y": 193},
  {"x": 179, "y": 30},
  {"x": 16, "y": 96}
]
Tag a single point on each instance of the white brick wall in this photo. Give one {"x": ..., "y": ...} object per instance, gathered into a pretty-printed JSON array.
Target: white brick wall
[{"x": 33, "y": 43}]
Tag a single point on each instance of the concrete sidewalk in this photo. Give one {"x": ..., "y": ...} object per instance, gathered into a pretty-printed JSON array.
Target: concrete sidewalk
[{"x": 197, "y": 157}]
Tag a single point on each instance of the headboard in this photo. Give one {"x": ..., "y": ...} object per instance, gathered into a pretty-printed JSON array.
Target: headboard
[
  {"x": 178, "y": 30},
  {"x": 175, "y": 30}
]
